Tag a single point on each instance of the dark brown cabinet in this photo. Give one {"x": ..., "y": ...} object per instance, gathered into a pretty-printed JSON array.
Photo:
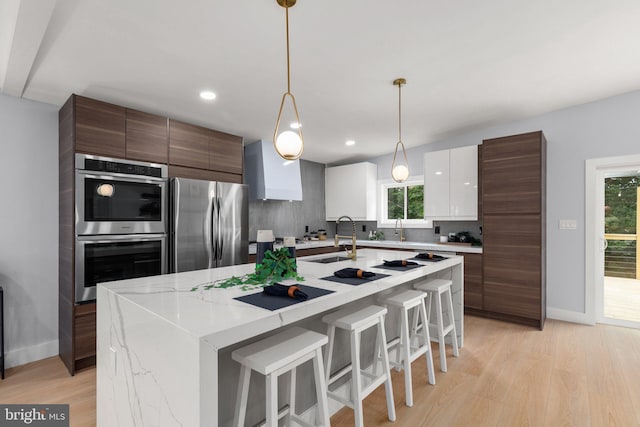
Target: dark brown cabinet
[
  {"x": 513, "y": 219},
  {"x": 473, "y": 289},
  {"x": 147, "y": 137},
  {"x": 204, "y": 149},
  {"x": 99, "y": 127},
  {"x": 94, "y": 127},
  {"x": 104, "y": 129}
]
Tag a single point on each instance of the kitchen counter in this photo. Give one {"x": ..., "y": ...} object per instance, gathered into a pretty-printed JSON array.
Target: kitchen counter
[
  {"x": 393, "y": 244},
  {"x": 163, "y": 350}
]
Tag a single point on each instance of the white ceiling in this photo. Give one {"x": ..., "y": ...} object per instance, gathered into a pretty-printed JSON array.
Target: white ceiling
[{"x": 468, "y": 63}]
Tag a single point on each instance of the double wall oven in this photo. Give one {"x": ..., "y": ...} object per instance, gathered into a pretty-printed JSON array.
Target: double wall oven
[{"x": 121, "y": 221}]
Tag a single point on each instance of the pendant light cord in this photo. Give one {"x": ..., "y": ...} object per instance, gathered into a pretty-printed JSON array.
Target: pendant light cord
[
  {"x": 288, "y": 67},
  {"x": 400, "y": 112}
]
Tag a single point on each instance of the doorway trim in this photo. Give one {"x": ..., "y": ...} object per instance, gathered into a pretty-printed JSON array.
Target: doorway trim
[{"x": 594, "y": 225}]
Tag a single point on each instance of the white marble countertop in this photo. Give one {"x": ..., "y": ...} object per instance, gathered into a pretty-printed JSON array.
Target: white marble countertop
[
  {"x": 215, "y": 316},
  {"x": 393, "y": 244},
  {"x": 164, "y": 351}
]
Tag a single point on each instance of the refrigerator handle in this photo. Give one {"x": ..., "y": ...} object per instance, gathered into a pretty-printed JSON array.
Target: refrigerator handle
[
  {"x": 175, "y": 202},
  {"x": 220, "y": 239},
  {"x": 214, "y": 237}
]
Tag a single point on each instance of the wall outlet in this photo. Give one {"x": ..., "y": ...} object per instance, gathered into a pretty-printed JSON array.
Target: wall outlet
[
  {"x": 567, "y": 224},
  {"x": 437, "y": 229},
  {"x": 306, "y": 228},
  {"x": 364, "y": 227}
]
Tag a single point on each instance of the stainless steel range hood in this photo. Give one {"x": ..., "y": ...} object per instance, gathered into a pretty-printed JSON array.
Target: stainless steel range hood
[{"x": 268, "y": 175}]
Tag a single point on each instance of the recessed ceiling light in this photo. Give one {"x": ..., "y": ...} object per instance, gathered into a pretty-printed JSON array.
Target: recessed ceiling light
[
  {"x": 350, "y": 142},
  {"x": 295, "y": 125},
  {"x": 438, "y": 173},
  {"x": 207, "y": 95},
  {"x": 467, "y": 183}
]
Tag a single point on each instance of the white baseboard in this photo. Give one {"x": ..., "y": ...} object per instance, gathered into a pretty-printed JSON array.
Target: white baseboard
[
  {"x": 31, "y": 354},
  {"x": 568, "y": 316}
]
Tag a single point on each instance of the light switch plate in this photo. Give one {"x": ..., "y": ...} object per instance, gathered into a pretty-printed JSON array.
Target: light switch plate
[{"x": 567, "y": 224}]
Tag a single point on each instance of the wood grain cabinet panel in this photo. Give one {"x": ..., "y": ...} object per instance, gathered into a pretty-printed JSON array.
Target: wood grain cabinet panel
[
  {"x": 513, "y": 171},
  {"x": 99, "y": 127},
  {"x": 188, "y": 145},
  {"x": 206, "y": 175},
  {"x": 205, "y": 149},
  {"x": 473, "y": 293},
  {"x": 85, "y": 331},
  {"x": 147, "y": 137},
  {"x": 511, "y": 181},
  {"x": 226, "y": 153}
]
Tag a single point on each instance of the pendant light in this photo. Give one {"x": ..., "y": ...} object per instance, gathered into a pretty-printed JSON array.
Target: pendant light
[
  {"x": 289, "y": 144},
  {"x": 399, "y": 170}
]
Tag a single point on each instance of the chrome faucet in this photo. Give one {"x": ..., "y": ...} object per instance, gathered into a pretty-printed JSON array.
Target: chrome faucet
[
  {"x": 402, "y": 238},
  {"x": 351, "y": 254}
]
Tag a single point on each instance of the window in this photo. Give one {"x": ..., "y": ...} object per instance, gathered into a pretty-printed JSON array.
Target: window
[{"x": 402, "y": 200}]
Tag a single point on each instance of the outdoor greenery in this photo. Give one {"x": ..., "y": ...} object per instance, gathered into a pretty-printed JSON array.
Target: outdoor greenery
[
  {"x": 620, "y": 199},
  {"x": 414, "y": 195},
  {"x": 277, "y": 265},
  {"x": 620, "y": 195}
]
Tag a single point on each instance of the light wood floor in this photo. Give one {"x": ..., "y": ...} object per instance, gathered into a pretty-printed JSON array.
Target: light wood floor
[
  {"x": 506, "y": 375},
  {"x": 622, "y": 298}
]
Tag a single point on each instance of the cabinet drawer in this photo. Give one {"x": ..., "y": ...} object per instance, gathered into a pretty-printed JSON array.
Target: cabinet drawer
[
  {"x": 505, "y": 298},
  {"x": 85, "y": 335},
  {"x": 472, "y": 280}
]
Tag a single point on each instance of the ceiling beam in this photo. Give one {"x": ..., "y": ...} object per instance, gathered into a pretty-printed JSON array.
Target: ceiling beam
[{"x": 30, "y": 26}]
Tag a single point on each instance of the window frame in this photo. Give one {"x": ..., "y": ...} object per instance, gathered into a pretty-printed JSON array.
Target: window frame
[{"x": 383, "y": 186}]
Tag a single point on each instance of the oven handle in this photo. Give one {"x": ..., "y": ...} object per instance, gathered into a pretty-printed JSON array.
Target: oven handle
[
  {"x": 121, "y": 238},
  {"x": 123, "y": 177}
]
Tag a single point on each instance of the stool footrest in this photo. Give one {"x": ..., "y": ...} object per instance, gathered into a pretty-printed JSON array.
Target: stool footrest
[{"x": 341, "y": 373}]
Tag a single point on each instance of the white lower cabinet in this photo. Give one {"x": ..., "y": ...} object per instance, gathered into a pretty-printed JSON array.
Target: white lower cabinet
[
  {"x": 451, "y": 184},
  {"x": 351, "y": 190}
]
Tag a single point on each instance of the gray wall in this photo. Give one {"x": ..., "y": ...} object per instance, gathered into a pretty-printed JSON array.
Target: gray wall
[
  {"x": 290, "y": 218},
  {"x": 604, "y": 128},
  {"x": 29, "y": 228}
]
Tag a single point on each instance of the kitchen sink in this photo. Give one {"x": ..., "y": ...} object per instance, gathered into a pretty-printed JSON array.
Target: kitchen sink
[{"x": 329, "y": 259}]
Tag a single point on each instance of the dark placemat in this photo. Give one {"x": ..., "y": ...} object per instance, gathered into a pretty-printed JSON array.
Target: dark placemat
[
  {"x": 354, "y": 280},
  {"x": 430, "y": 260},
  {"x": 270, "y": 302},
  {"x": 399, "y": 268}
]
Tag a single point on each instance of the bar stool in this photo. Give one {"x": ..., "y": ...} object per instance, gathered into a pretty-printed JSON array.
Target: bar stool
[
  {"x": 273, "y": 356},
  {"x": 355, "y": 322},
  {"x": 405, "y": 302},
  {"x": 436, "y": 288}
]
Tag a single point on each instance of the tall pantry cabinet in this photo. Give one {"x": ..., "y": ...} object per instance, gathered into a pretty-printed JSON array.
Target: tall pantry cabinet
[{"x": 513, "y": 171}]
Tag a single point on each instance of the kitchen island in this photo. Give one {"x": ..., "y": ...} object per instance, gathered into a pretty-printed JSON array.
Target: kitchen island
[{"x": 163, "y": 349}]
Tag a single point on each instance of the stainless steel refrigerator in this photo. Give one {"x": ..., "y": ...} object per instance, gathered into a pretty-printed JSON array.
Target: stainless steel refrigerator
[{"x": 209, "y": 224}]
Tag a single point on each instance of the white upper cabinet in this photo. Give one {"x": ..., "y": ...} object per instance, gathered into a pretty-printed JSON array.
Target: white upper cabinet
[
  {"x": 351, "y": 190},
  {"x": 436, "y": 184},
  {"x": 451, "y": 184}
]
